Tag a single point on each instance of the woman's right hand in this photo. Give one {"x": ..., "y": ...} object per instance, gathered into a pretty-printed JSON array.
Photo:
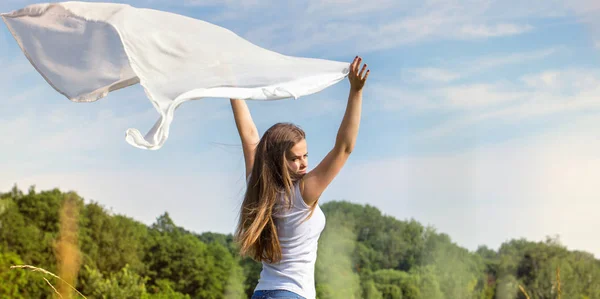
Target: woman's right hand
[{"x": 357, "y": 80}]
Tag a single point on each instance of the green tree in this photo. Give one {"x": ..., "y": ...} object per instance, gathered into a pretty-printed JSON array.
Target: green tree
[
  {"x": 195, "y": 268},
  {"x": 164, "y": 290},
  {"x": 226, "y": 275},
  {"x": 427, "y": 282},
  {"x": 362, "y": 254},
  {"x": 395, "y": 284},
  {"x": 14, "y": 281},
  {"x": 110, "y": 242},
  {"x": 251, "y": 274},
  {"x": 370, "y": 291},
  {"x": 334, "y": 266},
  {"x": 124, "y": 284}
]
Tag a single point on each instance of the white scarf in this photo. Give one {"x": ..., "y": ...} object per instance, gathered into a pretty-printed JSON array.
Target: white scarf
[{"x": 86, "y": 50}]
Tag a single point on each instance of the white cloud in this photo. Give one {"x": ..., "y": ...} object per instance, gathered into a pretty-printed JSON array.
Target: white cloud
[
  {"x": 528, "y": 188},
  {"x": 15, "y": 67},
  {"x": 585, "y": 8},
  {"x": 566, "y": 82},
  {"x": 30, "y": 94},
  {"x": 348, "y": 8},
  {"x": 489, "y": 62},
  {"x": 476, "y": 96},
  {"x": 363, "y": 26},
  {"x": 597, "y": 45},
  {"x": 457, "y": 97},
  {"x": 228, "y": 3},
  {"x": 545, "y": 80},
  {"x": 431, "y": 74},
  {"x": 461, "y": 68},
  {"x": 9, "y": 128},
  {"x": 202, "y": 3},
  {"x": 359, "y": 26},
  {"x": 535, "y": 95},
  {"x": 391, "y": 98},
  {"x": 484, "y": 31},
  {"x": 58, "y": 131}
]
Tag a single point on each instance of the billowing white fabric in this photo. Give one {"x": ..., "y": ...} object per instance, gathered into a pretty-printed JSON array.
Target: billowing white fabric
[{"x": 86, "y": 50}]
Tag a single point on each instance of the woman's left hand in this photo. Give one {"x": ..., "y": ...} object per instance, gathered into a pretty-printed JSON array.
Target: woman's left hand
[{"x": 358, "y": 80}]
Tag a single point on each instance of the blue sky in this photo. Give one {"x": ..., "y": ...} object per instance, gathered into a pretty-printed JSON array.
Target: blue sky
[{"x": 481, "y": 118}]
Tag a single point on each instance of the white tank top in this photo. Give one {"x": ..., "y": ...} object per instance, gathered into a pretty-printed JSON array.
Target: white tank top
[{"x": 299, "y": 241}]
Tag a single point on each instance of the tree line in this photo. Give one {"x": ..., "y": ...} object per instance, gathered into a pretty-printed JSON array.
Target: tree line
[{"x": 362, "y": 254}]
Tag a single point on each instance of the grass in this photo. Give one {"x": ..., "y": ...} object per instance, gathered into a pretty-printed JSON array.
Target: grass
[
  {"x": 43, "y": 271},
  {"x": 67, "y": 251},
  {"x": 55, "y": 291},
  {"x": 523, "y": 291}
]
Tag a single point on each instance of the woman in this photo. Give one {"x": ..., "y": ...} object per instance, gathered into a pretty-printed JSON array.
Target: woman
[{"x": 280, "y": 219}]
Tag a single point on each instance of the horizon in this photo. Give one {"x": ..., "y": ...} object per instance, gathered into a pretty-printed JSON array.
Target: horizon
[{"x": 112, "y": 213}]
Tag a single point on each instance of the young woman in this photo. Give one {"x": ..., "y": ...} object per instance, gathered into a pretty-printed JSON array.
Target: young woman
[{"x": 280, "y": 219}]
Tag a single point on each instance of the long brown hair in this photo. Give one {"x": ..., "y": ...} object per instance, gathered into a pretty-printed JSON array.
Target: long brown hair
[{"x": 256, "y": 233}]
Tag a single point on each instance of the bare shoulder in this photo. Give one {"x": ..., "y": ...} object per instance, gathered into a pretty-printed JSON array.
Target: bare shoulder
[{"x": 314, "y": 183}]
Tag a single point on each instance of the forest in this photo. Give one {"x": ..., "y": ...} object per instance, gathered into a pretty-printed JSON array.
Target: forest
[{"x": 362, "y": 253}]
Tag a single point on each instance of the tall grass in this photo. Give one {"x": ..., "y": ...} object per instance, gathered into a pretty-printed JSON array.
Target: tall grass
[{"x": 67, "y": 251}]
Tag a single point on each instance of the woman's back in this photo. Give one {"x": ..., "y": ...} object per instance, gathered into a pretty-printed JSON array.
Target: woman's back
[{"x": 298, "y": 238}]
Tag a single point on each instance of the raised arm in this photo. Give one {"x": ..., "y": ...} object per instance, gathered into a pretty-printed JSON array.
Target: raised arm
[
  {"x": 316, "y": 181},
  {"x": 247, "y": 130}
]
